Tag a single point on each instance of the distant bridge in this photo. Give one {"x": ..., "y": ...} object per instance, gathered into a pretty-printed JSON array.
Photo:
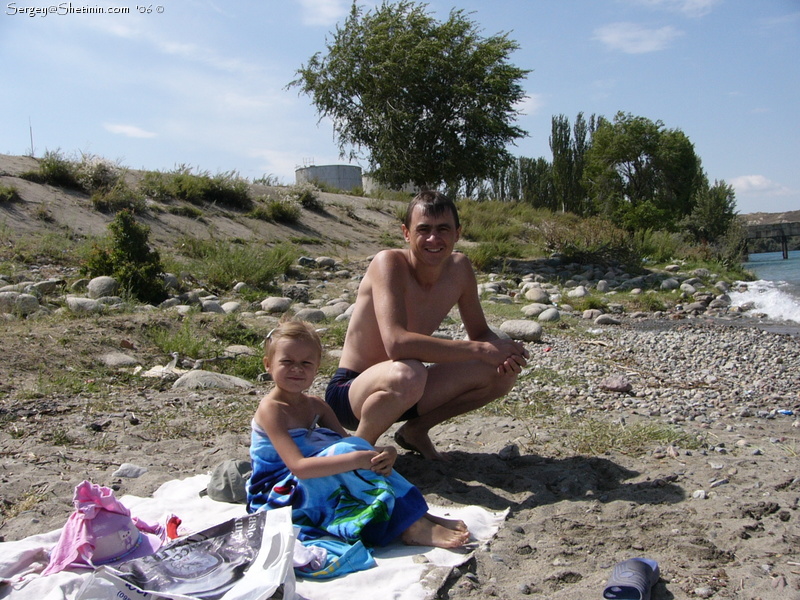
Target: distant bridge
[{"x": 779, "y": 231}]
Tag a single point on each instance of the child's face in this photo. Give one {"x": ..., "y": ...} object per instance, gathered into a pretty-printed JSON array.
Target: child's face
[{"x": 294, "y": 364}]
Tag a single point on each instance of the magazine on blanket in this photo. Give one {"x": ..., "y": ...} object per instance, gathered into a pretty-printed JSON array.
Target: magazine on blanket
[{"x": 247, "y": 558}]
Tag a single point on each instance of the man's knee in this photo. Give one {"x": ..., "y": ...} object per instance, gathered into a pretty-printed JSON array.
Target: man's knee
[
  {"x": 502, "y": 384},
  {"x": 407, "y": 379}
]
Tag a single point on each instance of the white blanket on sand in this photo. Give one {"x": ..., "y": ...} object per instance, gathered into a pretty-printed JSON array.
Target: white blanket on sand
[{"x": 402, "y": 572}]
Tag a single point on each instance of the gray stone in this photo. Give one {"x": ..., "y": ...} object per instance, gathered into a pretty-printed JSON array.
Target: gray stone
[
  {"x": 551, "y": 315},
  {"x": 312, "y": 315},
  {"x": 83, "y": 305},
  {"x": 118, "y": 359},
  {"x": 537, "y": 295},
  {"x": 200, "y": 379},
  {"x": 521, "y": 329},
  {"x": 102, "y": 286},
  {"x": 606, "y": 320},
  {"x": 276, "y": 305}
]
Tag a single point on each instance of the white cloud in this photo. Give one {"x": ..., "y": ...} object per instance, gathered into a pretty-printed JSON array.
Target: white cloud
[
  {"x": 635, "y": 39},
  {"x": 758, "y": 184},
  {"x": 128, "y": 130},
  {"x": 530, "y": 105},
  {"x": 689, "y": 8},
  {"x": 323, "y": 12}
]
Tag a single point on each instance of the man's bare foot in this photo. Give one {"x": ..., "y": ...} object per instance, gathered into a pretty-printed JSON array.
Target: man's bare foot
[
  {"x": 419, "y": 443},
  {"x": 436, "y": 532}
]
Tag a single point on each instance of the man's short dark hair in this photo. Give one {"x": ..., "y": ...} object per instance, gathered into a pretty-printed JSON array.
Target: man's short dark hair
[{"x": 434, "y": 204}]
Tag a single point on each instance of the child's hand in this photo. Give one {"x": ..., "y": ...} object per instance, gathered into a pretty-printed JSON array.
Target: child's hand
[
  {"x": 363, "y": 459},
  {"x": 382, "y": 463}
]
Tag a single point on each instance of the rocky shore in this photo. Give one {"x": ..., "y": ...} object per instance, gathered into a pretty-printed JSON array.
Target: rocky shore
[{"x": 671, "y": 434}]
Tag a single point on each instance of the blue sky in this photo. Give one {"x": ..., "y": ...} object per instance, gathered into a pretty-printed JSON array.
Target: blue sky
[{"x": 202, "y": 82}]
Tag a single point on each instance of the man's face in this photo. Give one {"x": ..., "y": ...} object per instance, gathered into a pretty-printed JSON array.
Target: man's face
[{"x": 430, "y": 237}]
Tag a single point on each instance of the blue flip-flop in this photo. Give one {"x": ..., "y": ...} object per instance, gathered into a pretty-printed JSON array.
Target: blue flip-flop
[{"x": 632, "y": 579}]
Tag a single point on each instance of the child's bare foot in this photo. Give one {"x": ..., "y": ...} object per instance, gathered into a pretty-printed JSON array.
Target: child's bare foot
[
  {"x": 437, "y": 532},
  {"x": 454, "y": 524},
  {"x": 406, "y": 438}
]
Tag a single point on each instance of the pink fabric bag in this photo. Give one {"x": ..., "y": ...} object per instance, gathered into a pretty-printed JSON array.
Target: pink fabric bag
[{"x": 101, "y": 531}]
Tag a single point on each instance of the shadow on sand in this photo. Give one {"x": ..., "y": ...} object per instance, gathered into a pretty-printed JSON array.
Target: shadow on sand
[{"x": 529, "y": 481}]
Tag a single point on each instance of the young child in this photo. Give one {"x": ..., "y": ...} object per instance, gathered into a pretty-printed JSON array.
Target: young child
[{"x": 336, "y": 485}]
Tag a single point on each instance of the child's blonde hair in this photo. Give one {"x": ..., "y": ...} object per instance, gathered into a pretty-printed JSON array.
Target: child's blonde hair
[{"x": 293, "y": 329}]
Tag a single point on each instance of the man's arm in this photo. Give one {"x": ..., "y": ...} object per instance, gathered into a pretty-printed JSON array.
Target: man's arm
[
  {"x": 389, "y": 281},
  {"x": 472, "y": 316}
]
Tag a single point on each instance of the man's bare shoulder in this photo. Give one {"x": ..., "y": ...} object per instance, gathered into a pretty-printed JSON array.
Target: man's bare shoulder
[{"x": 388, "y": 263}]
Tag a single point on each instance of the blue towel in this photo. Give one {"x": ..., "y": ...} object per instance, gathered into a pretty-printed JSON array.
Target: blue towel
[{"x": 352, "y": 506}]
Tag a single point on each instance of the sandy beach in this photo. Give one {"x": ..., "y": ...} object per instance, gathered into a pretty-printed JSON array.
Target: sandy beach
[{"x": 586, "y": 477}]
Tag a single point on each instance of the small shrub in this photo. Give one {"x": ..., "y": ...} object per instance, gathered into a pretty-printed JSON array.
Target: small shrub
[
  {"x": 186, "y": 211},
  {"x": 225, "y": 189},
  {"x": 486, "y": 254},
  {"x": 9, "y": 194},
  {"x": 97, "y": 174},
  {"x": 591, "y": 241},
  {"x": 278, "y": 210},
  {"x": 186, "y": 341},
  {"x": 118, "y": 197},
  {"x": 223, "y": 264},
  {"x": 43, "y": 214},
  {"x": 55, "y": 169},
  {"x": 307, "y": 196},
  {"x": 128, "y": 258},
  {"x": 649, "y": 302},
  {"x": 268, "y": 180}
]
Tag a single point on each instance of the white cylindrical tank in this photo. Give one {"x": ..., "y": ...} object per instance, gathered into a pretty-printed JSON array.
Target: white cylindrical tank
[{"x": 340, "y": 177}]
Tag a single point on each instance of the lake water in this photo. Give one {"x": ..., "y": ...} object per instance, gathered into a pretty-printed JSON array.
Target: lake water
[{"x": 777, "y": 291}]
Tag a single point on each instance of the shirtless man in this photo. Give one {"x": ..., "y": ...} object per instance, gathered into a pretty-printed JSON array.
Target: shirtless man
[{"x": 403, "y": 298}]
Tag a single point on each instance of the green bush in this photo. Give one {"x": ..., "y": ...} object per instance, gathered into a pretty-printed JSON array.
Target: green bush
[
  {"x": 128, "y": 258},
  {"x": 222, "y": 264},
  {"x": 186, "y": 211},
  {"x": 8, "y": 194},
  {"x": 226, "y": 189},
  {"x": 96, "y": 174},
  {"x": 282, "y": 210},
  {"x": 591, "y": 241},
  {"x": 307, "y": 196},
  {"x": 55, "y": 169},
  {"x": 267, "y": 179},
  {"x": 118, "y": 197},
  {"x": 487, "y": 254}
]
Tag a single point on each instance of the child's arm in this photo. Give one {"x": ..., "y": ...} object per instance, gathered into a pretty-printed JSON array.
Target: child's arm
[
  {"x": 273, "y": 422},
  {"x": 385, "y": 457}
]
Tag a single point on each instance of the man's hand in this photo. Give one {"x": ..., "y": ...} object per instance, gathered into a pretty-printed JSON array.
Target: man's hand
[{"x": 513, "y": 356}]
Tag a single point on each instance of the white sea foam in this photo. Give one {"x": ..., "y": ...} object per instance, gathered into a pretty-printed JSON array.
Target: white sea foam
[{"x": 777, "y": 300}]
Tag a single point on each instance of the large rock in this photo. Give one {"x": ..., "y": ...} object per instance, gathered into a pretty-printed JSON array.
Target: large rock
[
  {"x": 275, "y": 304},
  {"x": 521, "y": 329},
  {"x": 534, "y": 310},
  {"x": 102, "y": 286},
  {"x": 551, "y": 315},
  {"x": 83, "y": 305},
  {"x": 18, "y": 304},
  {"x": 312, "y": 315},
  {"x": 537, "y": 295},
  {"x": 207, "y": 379}
]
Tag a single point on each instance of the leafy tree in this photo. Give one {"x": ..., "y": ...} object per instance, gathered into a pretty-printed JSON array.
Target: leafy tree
[
  {"x": 427, "y": 102},
  {"x": 713, "y": 214},
  {"x": 563, "y": 163},
  {"x": 128, "y": 258},
  {"x": 641, "y": 174}
]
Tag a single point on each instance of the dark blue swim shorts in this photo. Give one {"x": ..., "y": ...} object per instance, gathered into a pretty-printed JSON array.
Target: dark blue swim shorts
[{"x": 337, "y": 395}]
